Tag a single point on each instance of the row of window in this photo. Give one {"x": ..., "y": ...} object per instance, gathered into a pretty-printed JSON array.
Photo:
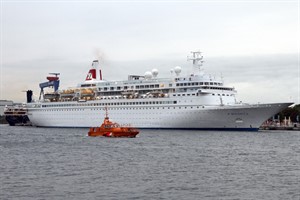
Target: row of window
[
  {"x": 119, "y": 88},
  {"x": 136, "y": 108},
  {"x": 223, "y": 94},
  {"x": 198, "y": 83},
  {"x": 111, "y": 104},
  {"x": 129, "y": 87},
  {"x": 216, "y": 88},
  {"x": 193, "y": 94}
]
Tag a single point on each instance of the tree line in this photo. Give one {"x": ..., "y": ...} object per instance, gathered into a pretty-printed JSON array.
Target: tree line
[{"x": 290, "y": 112}]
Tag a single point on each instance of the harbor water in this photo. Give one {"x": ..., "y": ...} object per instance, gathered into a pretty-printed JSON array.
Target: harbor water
[{"x": 63, "y": 163}]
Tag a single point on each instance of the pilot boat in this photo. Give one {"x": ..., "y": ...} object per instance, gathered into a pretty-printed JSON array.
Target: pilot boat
[{"x": 112, "y": 129}]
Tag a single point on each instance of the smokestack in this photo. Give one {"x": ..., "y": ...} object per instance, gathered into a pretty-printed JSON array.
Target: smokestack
[
  {"x": 29, "y": 96},
  {"x": 94, "y": 74},
  {"x": 91, "y": 75}
]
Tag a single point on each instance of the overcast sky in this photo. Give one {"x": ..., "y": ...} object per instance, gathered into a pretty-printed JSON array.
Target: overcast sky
[{"x": 255, "y": 45}]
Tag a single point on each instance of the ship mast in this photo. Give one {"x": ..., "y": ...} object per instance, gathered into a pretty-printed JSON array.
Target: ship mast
[
  {"x": 106, "y": 113},
  {"x": 197, "y": 59}
]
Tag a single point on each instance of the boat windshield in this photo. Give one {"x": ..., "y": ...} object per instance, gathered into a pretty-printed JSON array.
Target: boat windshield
[{"x": 112, "y": 125}]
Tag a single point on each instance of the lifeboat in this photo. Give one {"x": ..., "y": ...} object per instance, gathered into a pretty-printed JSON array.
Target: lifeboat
[{"x": 112, "y": 129}]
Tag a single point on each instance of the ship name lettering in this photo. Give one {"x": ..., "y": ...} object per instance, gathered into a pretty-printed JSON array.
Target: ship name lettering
[{"x": 243, "y": 113}]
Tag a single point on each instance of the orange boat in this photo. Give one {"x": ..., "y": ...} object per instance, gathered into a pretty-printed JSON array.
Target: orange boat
[{"x": 112, "y": 129}]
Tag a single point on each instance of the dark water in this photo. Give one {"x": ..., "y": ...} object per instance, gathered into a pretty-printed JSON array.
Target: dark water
[{"x": 52, "y": 163}]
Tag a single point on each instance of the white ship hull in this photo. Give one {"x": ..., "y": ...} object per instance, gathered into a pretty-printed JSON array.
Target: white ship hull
[{"x": 238, "y": 117}]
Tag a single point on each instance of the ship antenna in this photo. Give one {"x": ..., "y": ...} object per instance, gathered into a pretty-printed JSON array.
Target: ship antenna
[
  {"x": 197, "y": 59},
  {"x": 106, "y": 113}
]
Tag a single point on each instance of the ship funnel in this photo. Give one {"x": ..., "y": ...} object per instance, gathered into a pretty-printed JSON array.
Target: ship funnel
[
  {"x": 95, "y": 72},
  {"x": 29, "y": 96}
]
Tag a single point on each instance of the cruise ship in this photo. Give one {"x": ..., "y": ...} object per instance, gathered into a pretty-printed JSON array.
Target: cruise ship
[{"x": 196, "y": 101}]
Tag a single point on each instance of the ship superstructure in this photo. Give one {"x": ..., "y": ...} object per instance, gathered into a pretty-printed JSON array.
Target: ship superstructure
[{"x": 197, "y": 101}]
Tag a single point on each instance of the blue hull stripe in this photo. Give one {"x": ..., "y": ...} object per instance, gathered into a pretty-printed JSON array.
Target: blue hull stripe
[{"x": 200, "y": 129}]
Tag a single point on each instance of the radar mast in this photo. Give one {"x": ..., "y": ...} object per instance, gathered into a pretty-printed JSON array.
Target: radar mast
[{"x": 197, "y": 59}]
